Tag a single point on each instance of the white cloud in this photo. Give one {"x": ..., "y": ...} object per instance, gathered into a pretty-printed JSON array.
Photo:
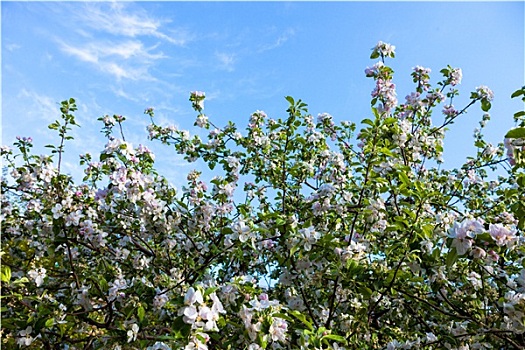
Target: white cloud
[
  {"x": 121, "y": 93},
  {"x": 132, "y": 49},
  {"x": 39, "y": 106},
  {"x": 84, "y": 54},
  {"x": 123, "y": 54},
  {"x": 120, "y": 72},
  {"x": 12, "y": 47},
  {"x": 281, "y": 39},
  {"x": 33, "y": 112},
  {"x": 126, "y": 60},
  {"x": 117, "y": 20},
  {"x": 93, "y": 51},
  {"x": 226, "y": 61}
]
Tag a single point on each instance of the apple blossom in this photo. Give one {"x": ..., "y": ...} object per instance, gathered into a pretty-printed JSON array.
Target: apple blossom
[
  {"x": 340, "y": 236},
  {"x": 25, "y": 337},
  {"x": 132, "y": 333},
  {"x": 38, "y": 275}
]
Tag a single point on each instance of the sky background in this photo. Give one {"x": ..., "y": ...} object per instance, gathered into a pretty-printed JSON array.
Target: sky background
[{"x": 122, "y": 57}]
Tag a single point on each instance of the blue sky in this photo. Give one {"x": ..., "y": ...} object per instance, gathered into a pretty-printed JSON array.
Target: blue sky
[{"x": 121, "y": 57}]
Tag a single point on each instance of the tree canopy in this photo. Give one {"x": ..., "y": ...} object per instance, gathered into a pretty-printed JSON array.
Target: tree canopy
[{"x": 312, "y": 235}]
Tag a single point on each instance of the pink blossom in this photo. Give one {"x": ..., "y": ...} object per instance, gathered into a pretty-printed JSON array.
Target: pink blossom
[
  {"x": 193, "y": 296},
  {"x": 374, "y": 70},
  {"x": 384, "y": 49},
  {"x": 462, "y": 234},
  {"x": 278, "y": 329},
  {"x": 449, "y": 111},
  {"x": 502, "y": 235},
  {"x": 484, "y": 93},
  {"x": 455, "y": 76}
]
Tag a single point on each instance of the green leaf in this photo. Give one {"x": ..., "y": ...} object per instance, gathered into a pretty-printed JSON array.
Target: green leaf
[
  {"x": 374, "y": 110},
  {"x": 21, "y": 280},
  {"x": 283, "y": 316},
  {"x": 49, "y": 323},
  {"x": 452, "y": 257},
  {"x": 518, "y": 92},
  {"x": 209, "y": 291},
  {"x": 367, "y": 121},
  {"x": 479, "y": 143},
  {"x": 53, "y": 126},
  {"x": 180, "y": 328},
  {"x": 366, "y": 292},
  {"x": 337, "y": 338},
  {"x": 302, "y": 318},
  {"x": 103, "y": 284},
  {"x": 290, "y": 100},
  {"x": 6, "y": 274},
  {"x": 140, "y": 313},
  {"x": 294, "y": 249},
  {"x": 390, "y": 121},
  {"x": 420, "y": 189},
  {"x": 515, "y": 133},
  {"x": 485, "y": 105},
  {"x": 519, "y": 114},
  {"x": 404, "y": 178},
  {"x": 521, "y": 180}
]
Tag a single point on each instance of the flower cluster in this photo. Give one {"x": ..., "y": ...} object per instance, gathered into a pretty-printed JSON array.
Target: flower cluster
[
  {"x": 383, "y": 49},
  {"x": 198, "y": 314},
  {"x": 385, "y": 89},
  {"x": 197, "y": 100},
  {"x": 484, "y": 93},
  {"x": 311, "y": 233},
  {"x": 515, "y": 147}
]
